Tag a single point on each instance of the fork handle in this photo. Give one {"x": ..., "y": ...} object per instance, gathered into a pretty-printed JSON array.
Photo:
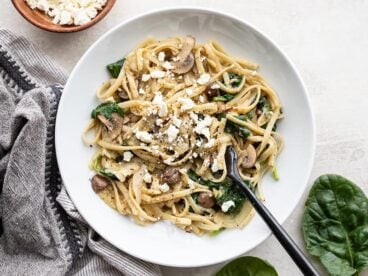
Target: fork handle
[{"x": 281, "y": 235}]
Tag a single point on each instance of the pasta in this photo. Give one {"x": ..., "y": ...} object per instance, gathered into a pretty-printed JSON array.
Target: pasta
[{"x": 167, "y": 115}]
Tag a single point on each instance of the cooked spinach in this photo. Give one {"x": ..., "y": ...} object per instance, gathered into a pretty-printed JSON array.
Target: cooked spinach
[
  {"x": 102, "y": 171},
  {"x": 274, "y": 127},
  {"x": 235, "y": 79},
  {"x": 227, "y": 191},
  {"x": 195, "y": 177},
  {"x": 335, "y": 225},
  {"x": 115, "y": 67},
  {"x": 224, "y": 97},
  {"x": 106, "y": 109},
  {"x": 247, "y": 266},
  {"x": 231, "y": 192},
  {"x": 234, "y": 128},
  {"x": 216, "y": 232},
  {"x": 263, "y": 104}
]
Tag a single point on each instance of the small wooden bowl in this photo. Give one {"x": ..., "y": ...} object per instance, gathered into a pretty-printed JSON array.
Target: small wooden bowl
[{"x": 43, "y": 21}]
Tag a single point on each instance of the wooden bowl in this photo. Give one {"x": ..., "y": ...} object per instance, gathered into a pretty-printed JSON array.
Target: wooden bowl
[{"x": 43, "y": 21}]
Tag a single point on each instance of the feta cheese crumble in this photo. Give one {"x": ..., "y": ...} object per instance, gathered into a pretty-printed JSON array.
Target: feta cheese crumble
[
  {"x": 202, "y": 127},
  {"x": 69, "y": 12},
  {"x": 157, "y": 74},
  {"x": 127, "y": 156},
  {"x": 186, "y": 104},
  {"x": 227, "y": 205},
  {"x": 203, "y": 79},
  {"x": 146, "y": 77},
  {"x": 147, "y": 177},
  {"x": 172, "y": 132},
  {"x": 161, "y": 56},
  {"x": 162, "y": 106},
  {"x": 144, "y": 136},
  {"x": 164, "y": 188},
  {"x": 167, "y": 65}
]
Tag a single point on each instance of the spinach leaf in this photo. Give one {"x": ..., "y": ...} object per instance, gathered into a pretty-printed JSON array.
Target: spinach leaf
[
  {"x": 97, "y": 167},
  {"x": 195, "y": 177},
  {"x": 335, "y": 225},
  {"x": 224, "y": 97},
  {"x": 231, "y": 192},
  {"x": 263, "y": 104},
  {"x": 248, "y": 266},
  {"x": 235, "y": 79},
  {"x": 106, "y": 109},
  {"x": 115, "y": 67},
  {"x": 234, "y": 128}
]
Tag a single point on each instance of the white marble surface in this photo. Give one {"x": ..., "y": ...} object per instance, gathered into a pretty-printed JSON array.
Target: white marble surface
[{"x": 327, "y": 41}]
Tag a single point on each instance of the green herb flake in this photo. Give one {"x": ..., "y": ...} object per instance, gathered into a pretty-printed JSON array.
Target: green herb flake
[
  {"x": 115, "y": 68},
  {"x": 97, "y": 167},
  {"x": 335, "y": 225},
  {"x": 248, "y": 266},
  {"x": 275, "y": 173},
  {"x": 107, "y": 109}
]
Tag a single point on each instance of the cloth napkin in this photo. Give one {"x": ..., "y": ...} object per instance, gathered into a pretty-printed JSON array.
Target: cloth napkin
[{"x": 41, "y": 232}]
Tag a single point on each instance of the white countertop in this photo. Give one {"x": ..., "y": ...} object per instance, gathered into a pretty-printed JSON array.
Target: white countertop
[{"x": 328, "y": 43}]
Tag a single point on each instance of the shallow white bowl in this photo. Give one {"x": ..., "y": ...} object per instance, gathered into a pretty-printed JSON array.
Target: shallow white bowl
[{"x": 162, "y": 243}]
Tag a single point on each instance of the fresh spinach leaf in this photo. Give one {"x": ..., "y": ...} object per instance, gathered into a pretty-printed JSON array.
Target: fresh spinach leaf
[
  {"x": 248, "y": 266},
  {"x": 115, "y": 67},
  {"x": 235, "y": 79},
  {"x": 335, "y": 225},
  {"x": 106, "y": 109},
  {"x": 234, "y": 128}
]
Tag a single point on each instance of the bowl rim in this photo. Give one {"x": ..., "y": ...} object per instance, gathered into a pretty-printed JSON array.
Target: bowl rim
[
  {"x": 55, "y": 28},
  {"x": 189, "y": 8}
]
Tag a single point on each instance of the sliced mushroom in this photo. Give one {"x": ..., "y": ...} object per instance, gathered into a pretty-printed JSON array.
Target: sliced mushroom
[
  {"x": 249, "y": 157},
  {"x": 185, "y": 57},
  {"x": 171, "y": 176},
  {"x": 99, "y": 183},
  {"x": 184, "y": 66},
  {"x": 211, "y": 93},
  {"x": 206, "y": 200},
  {"x": 114, "y": 125},
  {"x": 123, "y": 95}
]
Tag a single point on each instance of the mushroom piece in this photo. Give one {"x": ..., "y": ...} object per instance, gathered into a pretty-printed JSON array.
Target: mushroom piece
[
  {"x": 212, "y": 92},
  {"x": 206, "y": 200},
  {"x": 123, "y": 95},
  {"x": 99, "y": 183},
  {"x": 249, "y": 157},
  {"x": 185, "y": 57},
  {"x": 171, "y": 176},
  {"x": 114, "y": 125}
]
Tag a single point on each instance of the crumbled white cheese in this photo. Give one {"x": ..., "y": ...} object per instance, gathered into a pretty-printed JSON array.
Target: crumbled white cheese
[
  {"x": 194, "y": 117},
  {"x": 175, "y": 58},
  {"x": 68, "y": 12},
  {"x": 186, "y": 104},
  {"x": 210, "y": 143},
  {"x": 161, "y": 56},
  {"x": 215, "y": 166},
  {"x": 177, "y": 122},
  {"x": 172, "y": 132},
  {"x": 157, "y": 74},
  {"x": 144, "y": 136},
  {"x": 127, "y": 156},
  {"x": 147, "y": 177},
  {"x": 199, "y": 143},
  {"x": 254, "y": 73},
  {"x": 164, "y": 188},
  {"x": 227, "y": 205},
  {"x": 141, "y": 91},
  {"x": 195, "y": 155},
  {"x": 202, "y": 127},
  {"x": 203, "y": 79},
  {"x": 215, "y": 85},
  {"x": 189, "y": 91},
  {"x": 168, "y": 66},
  {"x": 162, "y": 106},
  {"x": 159, "y": 122},
  {"x": 146, "y": 77},
  {"x": 201, "y": 98}
]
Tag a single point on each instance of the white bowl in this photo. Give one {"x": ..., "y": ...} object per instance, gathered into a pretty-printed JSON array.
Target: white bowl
[{"x": 163, "y": 243}]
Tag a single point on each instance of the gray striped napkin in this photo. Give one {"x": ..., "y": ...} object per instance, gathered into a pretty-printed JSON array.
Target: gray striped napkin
[{"x": 41, "y": 232}]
